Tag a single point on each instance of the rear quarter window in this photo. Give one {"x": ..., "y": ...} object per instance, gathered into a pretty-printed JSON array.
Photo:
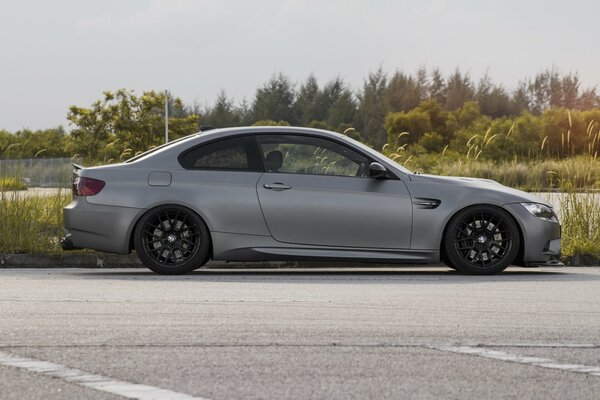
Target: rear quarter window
[{"x": 235, "y": 154}]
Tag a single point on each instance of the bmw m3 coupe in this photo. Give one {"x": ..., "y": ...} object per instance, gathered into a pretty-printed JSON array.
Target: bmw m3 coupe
[{"x": 287, "y": 193}]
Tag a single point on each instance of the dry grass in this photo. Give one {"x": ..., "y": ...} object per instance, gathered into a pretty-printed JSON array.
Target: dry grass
[{"x": 32, "y": 225}]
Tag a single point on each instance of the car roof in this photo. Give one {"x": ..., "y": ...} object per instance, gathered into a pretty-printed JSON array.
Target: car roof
[
  {"x": 215, "y": 134},
  {"x": 223, "y": 132}
]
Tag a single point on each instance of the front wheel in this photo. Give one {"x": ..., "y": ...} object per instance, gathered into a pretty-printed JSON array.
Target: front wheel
[
  {"x": 172, "y": 240},
  {"x": 481, "y": 240}
]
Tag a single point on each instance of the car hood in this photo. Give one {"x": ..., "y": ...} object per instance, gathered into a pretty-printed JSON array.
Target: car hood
[{"x": 508, "y": 194}]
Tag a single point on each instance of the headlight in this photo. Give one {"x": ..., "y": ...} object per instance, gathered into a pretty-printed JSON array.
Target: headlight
[{"x": 540, "y": 211}]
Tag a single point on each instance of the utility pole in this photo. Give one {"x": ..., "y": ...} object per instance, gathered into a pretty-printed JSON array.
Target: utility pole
[{"x": 166, "y": 116}]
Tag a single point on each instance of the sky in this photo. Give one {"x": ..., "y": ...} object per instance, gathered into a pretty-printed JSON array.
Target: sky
[{"x": 54, "y": 54}]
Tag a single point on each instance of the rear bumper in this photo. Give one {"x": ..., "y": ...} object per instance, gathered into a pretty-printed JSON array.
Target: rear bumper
[
  {"x": 67, "y": 243},
  {"x": 541, "y": 238},
  {"x": 98, "y": 227}
]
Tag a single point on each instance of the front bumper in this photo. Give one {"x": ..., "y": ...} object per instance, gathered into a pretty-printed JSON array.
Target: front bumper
[
  {"x": 98, "y": 227},
  {"x": 541, "y": 238}
]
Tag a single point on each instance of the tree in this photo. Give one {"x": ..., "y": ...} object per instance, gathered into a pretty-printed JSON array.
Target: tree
[
  {"x": 337, "y": 102},
  {"x": 459, "y": 89},
  {"x": 570, "y": 91},
  {"x": 521, "y": 99},
  {"x": 275, "y": 100},
  {"x": 122, "y": 124},
  {"x": 437, "y": 87},
  {"x": 588, "y": 99},
  {"x": 305, "y": 107},
  {"x": 493, "y": 99},
  {"x": 415, "y": 122},
  {"x": 564, "y": 131},
  {"x": 372, "y": 109},
  {"x": 270, "y": 122},
  {"x": 404, "y": 92},
  {"x": 223, "y": 113},
  {"x": 432, "y": 142}
]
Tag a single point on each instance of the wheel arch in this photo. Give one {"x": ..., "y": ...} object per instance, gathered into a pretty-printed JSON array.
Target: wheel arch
[
  {"x": 518, "y": 259},
  {"x": 134, "y": 224}
]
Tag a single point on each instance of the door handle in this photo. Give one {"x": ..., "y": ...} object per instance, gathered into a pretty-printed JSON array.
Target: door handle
[{"x": 278, "y": 186}]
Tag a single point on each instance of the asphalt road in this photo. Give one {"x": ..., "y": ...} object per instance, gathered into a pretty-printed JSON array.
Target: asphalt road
[{"x": 274, "y": 334}]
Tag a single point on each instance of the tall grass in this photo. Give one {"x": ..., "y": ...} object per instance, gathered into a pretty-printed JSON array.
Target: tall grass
[
  {"x": 581, "y": 172},
  {"x": 534, "y": 171},
  {"x": 34, "y": 224},
  {"x": 11, "y": 184},
  {"x": 576, "y": 178},
  {"x": 580, "y": 218},
  {"x": 31, "y": 224}
]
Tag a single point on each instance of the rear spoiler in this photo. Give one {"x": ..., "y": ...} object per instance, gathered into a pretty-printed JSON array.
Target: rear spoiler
[{"x": 76, "y": 167}]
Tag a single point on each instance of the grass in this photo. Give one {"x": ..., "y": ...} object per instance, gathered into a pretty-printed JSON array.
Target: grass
[
  {"x": 34, "y": 225},
  {"x": 548, "y": 175},
  {"x": 580, "y": 218},
  {"x": 31, "y": 224},
  {"x": 577, "y": 178},
  {"x": 11, "y": 184}
]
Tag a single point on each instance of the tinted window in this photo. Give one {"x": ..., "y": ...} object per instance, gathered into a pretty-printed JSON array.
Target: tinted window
[
  {"x": 237, "y": 153},
  {"x": 309, "y": 155}
]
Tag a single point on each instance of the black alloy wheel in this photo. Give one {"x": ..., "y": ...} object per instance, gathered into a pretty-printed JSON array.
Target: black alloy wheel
[
  {"x": 172, "y": 240},
  {"x": 481, "y": 240}
]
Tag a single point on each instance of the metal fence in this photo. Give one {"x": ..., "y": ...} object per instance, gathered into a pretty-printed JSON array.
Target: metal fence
[{"x": 43, "y": 172}]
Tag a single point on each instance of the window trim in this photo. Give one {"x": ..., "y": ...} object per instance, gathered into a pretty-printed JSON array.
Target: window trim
[
  {"x": 390, "y": 175},
  {"x": 254, "y": 149},
  {"x": 257, "y": 152}
]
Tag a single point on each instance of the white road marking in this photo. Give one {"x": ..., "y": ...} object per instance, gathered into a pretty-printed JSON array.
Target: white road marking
[
  {"x": 93, "y": 381},
  {"x": 537, "y": 361}
]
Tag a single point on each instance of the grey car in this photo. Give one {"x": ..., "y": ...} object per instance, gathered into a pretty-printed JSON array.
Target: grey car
[{"x": 287, "y": 193}]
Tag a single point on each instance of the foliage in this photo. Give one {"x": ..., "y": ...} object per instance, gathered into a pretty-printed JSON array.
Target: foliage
[
  {"x": 11, "y": 184},
  {"x": 123, "y": 124},
  {"x": 548, "y": 115},
  {"x": 580, "y": 218},
  {"x": 275, "y": 100},
  {"x": 268, "y": 122},
  {"x": 556, "y": 133},
  {"x": 31, "y": 224}
]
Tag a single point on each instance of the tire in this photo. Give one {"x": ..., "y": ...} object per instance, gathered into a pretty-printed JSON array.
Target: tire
[
  {"x": 172, "y": 240},
  {"x": 481, "y": 240}
]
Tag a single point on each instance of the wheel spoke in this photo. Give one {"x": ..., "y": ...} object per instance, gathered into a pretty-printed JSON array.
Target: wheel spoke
[
  {"x": 483, "y": 239},
  {"x": 171, "y": 237},
  {"x": 151, "y": 233}
]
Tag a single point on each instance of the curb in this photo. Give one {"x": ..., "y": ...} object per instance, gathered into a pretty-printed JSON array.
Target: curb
[
  {"x": 105, "y": 260},
  {"x": 99, "y": 260}
]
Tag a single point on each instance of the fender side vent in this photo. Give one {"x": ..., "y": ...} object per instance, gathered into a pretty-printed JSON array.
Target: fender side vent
[{"x": 421, "y": 202}]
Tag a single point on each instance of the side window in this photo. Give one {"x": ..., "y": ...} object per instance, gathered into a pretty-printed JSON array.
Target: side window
[
  {"x": 309, "y": 155},
  {"x": 235, "y": 154}
]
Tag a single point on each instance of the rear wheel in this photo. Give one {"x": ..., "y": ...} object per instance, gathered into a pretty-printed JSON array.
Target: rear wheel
[
  {"x": 481, "y": 240},
  {"x": 172, "y": 240}
]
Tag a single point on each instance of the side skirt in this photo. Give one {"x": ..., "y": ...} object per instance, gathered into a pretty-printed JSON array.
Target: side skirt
[{"x": 234, "y": 247}]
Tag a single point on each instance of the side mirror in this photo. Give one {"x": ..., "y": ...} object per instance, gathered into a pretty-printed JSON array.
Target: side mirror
[{"x": 376, "y": 170}]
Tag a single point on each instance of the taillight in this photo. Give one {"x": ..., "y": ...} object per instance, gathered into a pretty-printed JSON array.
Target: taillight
[{"x": 87, "y": 186}]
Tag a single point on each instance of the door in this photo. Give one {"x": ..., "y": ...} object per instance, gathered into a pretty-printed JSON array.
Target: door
[{"x": 314, "y": 192}]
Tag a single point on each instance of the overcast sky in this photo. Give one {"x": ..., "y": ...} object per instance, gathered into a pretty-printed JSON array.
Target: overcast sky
[{"x": 58, "y": 53}]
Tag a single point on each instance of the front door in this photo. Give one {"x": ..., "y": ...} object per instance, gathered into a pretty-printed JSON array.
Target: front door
[{"x": 314, "y": 192}]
